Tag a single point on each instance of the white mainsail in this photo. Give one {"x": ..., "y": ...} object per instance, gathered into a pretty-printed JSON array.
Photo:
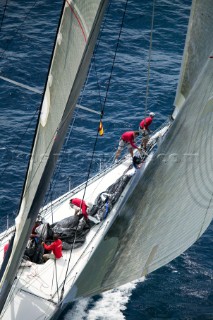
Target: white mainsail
[{"x": 77, "y": 34}]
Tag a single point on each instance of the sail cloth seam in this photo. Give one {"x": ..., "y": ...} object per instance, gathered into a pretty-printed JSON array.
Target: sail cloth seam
[
  {"x": 77, "y": 18},
  {"x": 149, "y": 59}
]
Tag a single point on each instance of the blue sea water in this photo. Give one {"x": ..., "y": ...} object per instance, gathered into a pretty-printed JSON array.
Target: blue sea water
[{"x": 183, "y": 288}]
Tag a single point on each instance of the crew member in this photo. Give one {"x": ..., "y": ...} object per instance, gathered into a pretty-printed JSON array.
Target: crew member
[
  {"x": 144, "y": 129},
  {"x": 6, "y": 246},
  {"x": 80, "y": 206},
  {"x": 56, "y": 247},
  {"x": 127, "y": 139}
]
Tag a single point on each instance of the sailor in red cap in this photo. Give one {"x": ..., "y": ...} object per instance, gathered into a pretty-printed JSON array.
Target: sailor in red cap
[
  {"x": 144, "y": 129},
  {"x": 127, "y": 140}
]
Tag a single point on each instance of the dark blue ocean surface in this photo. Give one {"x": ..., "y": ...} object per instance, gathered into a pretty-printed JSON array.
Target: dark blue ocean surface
[{"x": 180, "y": 290}]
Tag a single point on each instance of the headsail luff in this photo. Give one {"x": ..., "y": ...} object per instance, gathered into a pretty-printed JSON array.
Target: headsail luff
[
  {"x": 172, "y": 203},
  {"x": 77, "y": 34}
]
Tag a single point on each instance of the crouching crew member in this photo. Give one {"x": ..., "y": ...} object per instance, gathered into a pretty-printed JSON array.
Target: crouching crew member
[
  {"x": 55, "y": 247},
  {"x": 127, "y": 139},
  {"x": 80, "y": 207}
]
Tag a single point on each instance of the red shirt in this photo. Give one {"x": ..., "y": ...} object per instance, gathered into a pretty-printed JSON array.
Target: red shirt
[
  {"x": 56, "y": 247},
  {"x": 6, "y": 248},
  {"x": 129, "y": 137},
  {"x": 145, "y": 123},
  {"x": 82, "y": 205}
]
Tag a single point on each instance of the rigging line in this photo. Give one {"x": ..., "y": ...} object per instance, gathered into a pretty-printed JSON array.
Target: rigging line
[
  {"x": 82, "y": 254},
  {"x": 58, "y": 168},
  {"x": 110, "y": 77},
  {"x": 98, "y": 84},
  {"x": 3, "y": 15},
  {"x": 95, "y": 52},
  {"x": 149, "y": 59},
  {"x": 81, "y": 97},
  {"x": 33, "y": 278},
  {"x": 12, "y": 293},
  {"x": 101, "y": 226},
  {"x": 71, "y": 250},
  {"x": 62, "y": 291},
  {"x": 17, "y": 29},
  {"x": 102, "y": 112},
  {"x": 113, "y": 63},
  {"x": 108, "y": 86},
  {"x": 56, "y": 279}
]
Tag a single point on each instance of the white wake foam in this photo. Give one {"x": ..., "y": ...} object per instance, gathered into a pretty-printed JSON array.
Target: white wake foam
[{"x": 109, "y": 307}]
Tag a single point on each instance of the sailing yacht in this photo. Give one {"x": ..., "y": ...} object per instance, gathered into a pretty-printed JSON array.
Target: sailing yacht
[{"x": 148, "y": 225}]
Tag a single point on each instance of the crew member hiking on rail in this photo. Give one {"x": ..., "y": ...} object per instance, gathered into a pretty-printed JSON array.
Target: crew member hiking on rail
[
  {"x": 127, "y": 139},
  {"x": 144, "y": 129}
]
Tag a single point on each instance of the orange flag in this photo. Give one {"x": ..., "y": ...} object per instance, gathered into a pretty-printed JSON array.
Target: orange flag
[{"x": 101, "y": 129}]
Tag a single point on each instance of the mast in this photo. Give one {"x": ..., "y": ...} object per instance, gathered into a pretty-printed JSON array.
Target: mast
[{"x": 76, "y": 37}]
